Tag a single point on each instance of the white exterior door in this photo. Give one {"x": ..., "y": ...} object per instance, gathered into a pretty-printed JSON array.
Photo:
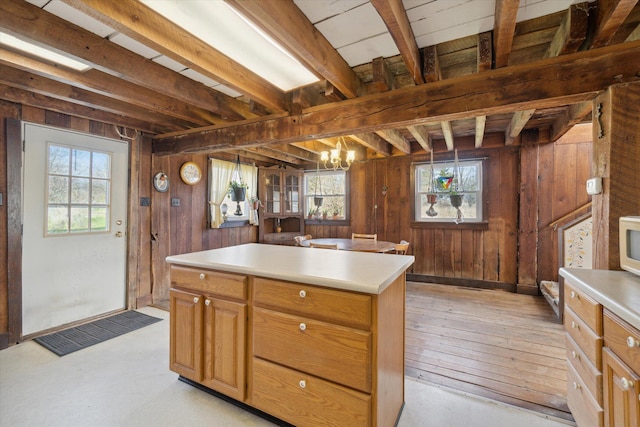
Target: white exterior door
[{"x": 74, "y": 227}]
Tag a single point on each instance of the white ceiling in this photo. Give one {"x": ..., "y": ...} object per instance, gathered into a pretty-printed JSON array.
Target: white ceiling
[{"x": 353, "y": 27}]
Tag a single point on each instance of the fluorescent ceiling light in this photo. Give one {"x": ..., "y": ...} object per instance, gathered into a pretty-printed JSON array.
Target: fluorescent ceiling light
[
  {"x": 49, "y": 55},
  {"x": 224, "y": 29}
]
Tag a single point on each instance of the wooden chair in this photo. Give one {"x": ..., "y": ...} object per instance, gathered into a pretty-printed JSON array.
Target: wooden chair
[
  {"x": 299, "y": 239},
  {"x": 402, "y": 247},
  {"x": 323, "y": 246},
  {"x": 364, "y": 236}
]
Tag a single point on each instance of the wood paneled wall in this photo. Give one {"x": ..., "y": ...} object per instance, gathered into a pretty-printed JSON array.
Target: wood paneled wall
[
  {"x": 547, "y": 179},
  {"x": 178, "y": 230}
]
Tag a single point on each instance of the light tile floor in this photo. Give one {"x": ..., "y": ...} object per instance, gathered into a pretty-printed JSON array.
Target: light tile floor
[{"x": 126, "y": 382}]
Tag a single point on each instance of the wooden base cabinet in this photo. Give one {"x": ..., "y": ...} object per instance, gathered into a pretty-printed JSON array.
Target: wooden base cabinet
[
  {"x": 208, "y": 329},
  {"x": 327, "y": 357},
  {"x": 621, "y": 358},
  {"x": 583, "y": 323},
  {"x": 307, "y": 354}
]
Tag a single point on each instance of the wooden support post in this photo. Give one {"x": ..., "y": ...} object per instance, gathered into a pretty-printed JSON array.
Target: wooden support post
[{"x": 616, "y": 155}]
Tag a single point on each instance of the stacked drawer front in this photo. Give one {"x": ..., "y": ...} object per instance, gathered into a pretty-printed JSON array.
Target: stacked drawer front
[
  {"x": 583, "y": 323},
  {"x": 312, "y": 354}
]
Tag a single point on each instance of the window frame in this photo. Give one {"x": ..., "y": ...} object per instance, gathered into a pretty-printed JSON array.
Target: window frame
[
  {"x": 342, "y": 220},
  {"x": 482, "y": 223}
]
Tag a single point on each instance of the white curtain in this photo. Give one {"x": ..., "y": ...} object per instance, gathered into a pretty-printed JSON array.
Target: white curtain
[
  {"x": 220, "y": 174},
  {"x": 249, "y": 175}
]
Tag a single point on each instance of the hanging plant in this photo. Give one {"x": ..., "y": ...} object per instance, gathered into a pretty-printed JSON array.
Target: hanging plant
[
  {"x": 238, "y": 191},
  {"x": 432, "y": 197},
  {"x": 456, "y": 189}
]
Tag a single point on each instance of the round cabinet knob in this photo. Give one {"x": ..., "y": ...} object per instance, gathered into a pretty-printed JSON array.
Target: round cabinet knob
[
  {"x": 626, "y": 384},
  {"x": 207, "y": 302},
  {"x": 573, "y": 294},
  {"x": 303, "y": 384},
  {"x": 576, "y": 386},
  {"x": 303, "y": 293},
  {"x": 632, "y": 342},
  {"x": 574, "y": 325},
  {"x": 195, "y": 300},
  {"x": 303, "y": 326},
  {"x": 202, "y": 276},
  {"x": 574, "y": 354}
]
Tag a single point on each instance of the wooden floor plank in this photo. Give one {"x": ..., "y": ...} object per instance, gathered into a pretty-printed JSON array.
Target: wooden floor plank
[{"x": 501, "y": 345}]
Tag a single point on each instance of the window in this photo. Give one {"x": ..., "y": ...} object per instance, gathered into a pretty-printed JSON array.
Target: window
[
  {"x": 223, "y": 209},
  {"x": 78, "y": 191},
  {"x": 326, "y": 194},
  {"x": 469, "y": 186}
]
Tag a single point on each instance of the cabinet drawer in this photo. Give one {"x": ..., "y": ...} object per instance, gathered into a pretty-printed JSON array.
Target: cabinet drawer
[
  {"x": 587, "y": 340},
  {"x": 303, "y": 399},
  {"x": 623, "y": 339},
  {"x": 584, "y": 408},
  {"x": 210, "y": 282},
  {"x": 329, "y": 351},
  {"x": 584, "y": 306},
  {"x": 331, "y": 305},
  {"x": 591, "y": 377}
]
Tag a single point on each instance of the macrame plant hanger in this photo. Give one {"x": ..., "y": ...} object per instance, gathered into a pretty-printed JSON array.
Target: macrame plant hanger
[
  {"x": 457, "y": 190},
  {"x": 317, "y": 191},
  {"x": 431, "y": 191}
]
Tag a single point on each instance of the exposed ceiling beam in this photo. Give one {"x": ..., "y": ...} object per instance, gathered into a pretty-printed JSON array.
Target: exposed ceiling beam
[
  {"x": 297, "y": 152},
  {"x": 382, "y": 77},
  {"x": 108, "y": 85},
  {"x": 28, "y": 97},
  {"x": 574, "y": 115},
  {"x": 26, "y": 20},
  {"x": 421, "y": 135},
  {"x": 28, "y": 81},
  {"x": 373, "y": 142},
  {"x": 430, "y": 64},
  {"x": 549, "y": 83},
  {"x": 611, "y": 14},
  {"x": 484, "y": 62},
  {"x": 572, "y": 31},
  {"x": 395, "y": 138},
  {"x": 275, "y": 154},
  {"x": 395, "y": 18},
  {"x": 143, "y": 24},
  {"x": 287, "y": 25},
  {"x": 447, "y": 132},
  {"x": 504, "y": 27},
  {"x": 518, "y": 122},
  {"x": 480, "y": 125}
]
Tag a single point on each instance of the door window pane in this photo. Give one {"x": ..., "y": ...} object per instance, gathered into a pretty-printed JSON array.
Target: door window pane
[{"x": 78, "y": 191}]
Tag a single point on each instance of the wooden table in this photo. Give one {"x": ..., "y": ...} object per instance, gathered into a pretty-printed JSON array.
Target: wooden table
[{"x": 359, "y": 245}]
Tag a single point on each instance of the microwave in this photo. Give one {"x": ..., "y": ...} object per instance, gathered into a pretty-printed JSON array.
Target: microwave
[{"x": 630, "y": 244}]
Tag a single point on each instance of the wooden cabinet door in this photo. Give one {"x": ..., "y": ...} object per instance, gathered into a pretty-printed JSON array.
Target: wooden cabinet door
[
  {"x": 185, "y": 348},
  {"x": 621, "y": 393},
  {"x": 225, "y": 347},
  {"x": 293, "y": 199}
]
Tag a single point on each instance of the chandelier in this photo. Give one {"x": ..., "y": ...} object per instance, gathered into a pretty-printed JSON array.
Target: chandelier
[{"x": 333, "y": 156}]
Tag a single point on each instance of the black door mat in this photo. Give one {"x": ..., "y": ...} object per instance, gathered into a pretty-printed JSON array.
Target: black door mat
[{"x": 83, "y": 336}]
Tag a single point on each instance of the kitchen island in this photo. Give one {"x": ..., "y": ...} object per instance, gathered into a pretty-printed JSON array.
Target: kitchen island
[{"x": 310, "y": 336}]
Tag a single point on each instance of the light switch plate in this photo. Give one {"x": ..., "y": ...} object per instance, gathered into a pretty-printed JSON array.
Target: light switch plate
[{"x": 594, "y": 185}]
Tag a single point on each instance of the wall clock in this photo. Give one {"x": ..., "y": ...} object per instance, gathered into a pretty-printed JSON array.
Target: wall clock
[
  {"x": 190, "y": 173},
  {"x": 161, "y": 182}
]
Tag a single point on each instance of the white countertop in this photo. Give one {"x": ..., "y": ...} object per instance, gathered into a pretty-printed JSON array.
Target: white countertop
[
  {"x": 355, "y": 271},
  {"x": 619, "y": 291}
]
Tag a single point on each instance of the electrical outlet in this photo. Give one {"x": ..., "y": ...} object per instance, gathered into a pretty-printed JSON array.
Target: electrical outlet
[{"x": 175, "y": 202}]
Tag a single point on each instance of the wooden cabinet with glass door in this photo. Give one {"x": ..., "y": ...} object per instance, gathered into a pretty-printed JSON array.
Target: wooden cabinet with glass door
[{"x": 282, "y": 196}]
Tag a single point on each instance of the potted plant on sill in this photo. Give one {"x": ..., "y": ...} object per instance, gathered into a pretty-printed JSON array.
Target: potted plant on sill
[{"x": 311, "y": 212}]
